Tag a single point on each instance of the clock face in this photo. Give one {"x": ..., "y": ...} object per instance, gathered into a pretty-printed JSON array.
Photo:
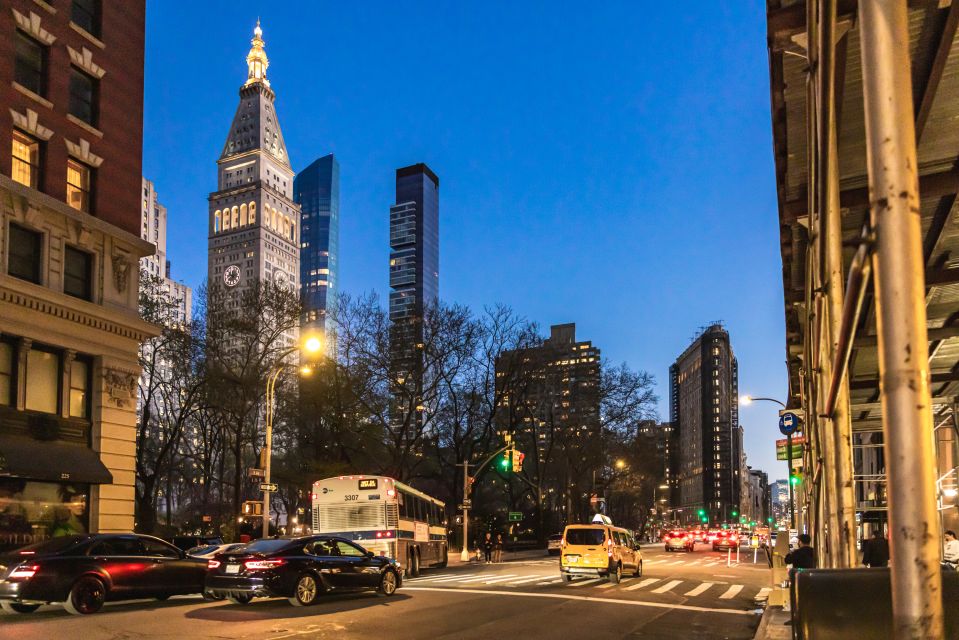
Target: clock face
[
  {"x": 279, "y": 277},
  {"x": 231, "y": 276}
]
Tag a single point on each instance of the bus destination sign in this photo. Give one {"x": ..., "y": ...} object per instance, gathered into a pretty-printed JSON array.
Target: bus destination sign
[{"x": 369, "y": 483}]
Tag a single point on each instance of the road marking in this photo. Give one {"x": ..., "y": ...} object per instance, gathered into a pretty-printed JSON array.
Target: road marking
[
  {"x": 445, "y": 578},
  {"x": 551, "y": 581},
  {"x": 610, "y": 585},
  {"x": 524, "y": 580},
  {"x": 570, "y": 596},
  {"x": 487, "y": 577},
  {"x": 731, "y": 592},
  {"x": 668, "y": 586},
  {"x": 504, "y": 579},
  {"x": 585, "y": 582},
  {"x": 698, "y": 590},
  {"x": 763, "y": 593},
  {"x": 675, "y": 563},
  {"x": 644, "y": 583}
]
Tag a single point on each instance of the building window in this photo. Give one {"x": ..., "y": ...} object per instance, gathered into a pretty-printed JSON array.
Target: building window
[
  {"x": 25, "y": 166},
  {"x": 79, "y": 389},
  {"x": 79, "y": 179},
  {"x": 83, "y": 96},
  {"x": 43, "y": 381},
  {"x": 25, "y": 253},
  {"x": 31, "y": 58},
  {"x": 6, "y": 373},
  {"x": 86, "y": 15},
  {"x": 77, "y": 273},
  {"x": 36, "y": 511}
]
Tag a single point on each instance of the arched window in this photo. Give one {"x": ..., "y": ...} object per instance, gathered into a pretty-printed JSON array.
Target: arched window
[
  {"x": 293, "y": 231},
  {"x": 225, "y": 223},
  {"x": 234, "y": 217},
  {"x": 286, "y": 227},
  {"x": 216, "y": 222},
  {"x": 243, "y": 219},
  {"x": 252, "y": 213},
  {"x": 275, "y": 219}
]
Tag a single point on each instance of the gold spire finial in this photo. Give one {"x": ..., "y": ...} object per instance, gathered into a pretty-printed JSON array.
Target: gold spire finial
[{"x": 256, "y": 60}]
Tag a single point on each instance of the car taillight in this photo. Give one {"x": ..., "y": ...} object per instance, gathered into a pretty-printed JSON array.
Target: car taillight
[
  {"x": 562, "y": 543},
  {"x": 384, "y": 534},
  {"x": 24, "y": 572},
  {"x": 257, "y": 565},
  {"x": 212, "y": 564}
]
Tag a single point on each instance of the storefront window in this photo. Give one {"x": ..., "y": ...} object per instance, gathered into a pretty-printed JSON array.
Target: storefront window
[
  {"x": 35, "y": 511},
  {"x": 43, "y": 372}
]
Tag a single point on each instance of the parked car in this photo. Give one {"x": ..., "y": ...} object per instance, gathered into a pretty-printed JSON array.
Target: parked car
[
  {"x": 189, "y": 542},
  {"x": 725, "y": 540},
  {"x": 555, "y": 544},
  {"x": 207, "y": 551},
  {"x": 680, "y": 540},
  {"x": 84, "y": 571},
  {"x": 299, "y": 569}
]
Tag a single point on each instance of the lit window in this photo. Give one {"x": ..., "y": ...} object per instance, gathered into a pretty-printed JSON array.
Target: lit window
[
  {"x": 78, "y": 185},
  {"x": 43, "y": 370},
  {"x": 25, "y": 168},
  {"x": 79, "y": 388}
]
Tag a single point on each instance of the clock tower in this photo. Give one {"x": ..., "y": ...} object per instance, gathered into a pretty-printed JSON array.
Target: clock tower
[{"x": 254, "y": 224}]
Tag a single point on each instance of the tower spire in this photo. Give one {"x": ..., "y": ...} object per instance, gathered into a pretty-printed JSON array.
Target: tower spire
[{"x": 256, "y": 60}]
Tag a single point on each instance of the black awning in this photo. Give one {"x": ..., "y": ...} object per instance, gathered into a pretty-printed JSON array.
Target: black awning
[{"x": 52, "y": 460}]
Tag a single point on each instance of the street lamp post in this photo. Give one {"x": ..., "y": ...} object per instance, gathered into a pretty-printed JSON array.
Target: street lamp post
[
  {"x": 311, "y": 345},
  {"x": 747, "y": 400}
]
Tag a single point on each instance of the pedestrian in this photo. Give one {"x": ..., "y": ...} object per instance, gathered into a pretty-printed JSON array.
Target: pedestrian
[
  {"x": 488, "y": 548},
  {"x": 498, "y": 549},
  {"x": 950, "y": 551},
  {"x": 805, "y": 556},
  {"x": 875, "y": 552}
]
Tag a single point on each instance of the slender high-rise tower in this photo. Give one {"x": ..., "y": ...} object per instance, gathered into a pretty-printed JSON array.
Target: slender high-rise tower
[
  {"x": 317, "y": 191},
  {"x": 253, "y": 220},
  {"x": 414, "y": 280}
]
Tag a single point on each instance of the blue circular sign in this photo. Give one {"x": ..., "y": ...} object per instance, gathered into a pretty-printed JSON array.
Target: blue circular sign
[{"x": 788, "y": 424}]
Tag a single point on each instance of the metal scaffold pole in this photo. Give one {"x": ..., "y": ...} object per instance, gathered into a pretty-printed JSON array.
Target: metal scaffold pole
[{"x": 916, "y": 579}]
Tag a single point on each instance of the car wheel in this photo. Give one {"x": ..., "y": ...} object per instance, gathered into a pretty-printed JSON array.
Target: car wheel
[
  {"x": 87, "y": 596},
  {"x": 638, "y": 573},
  {"x": 616, "y": 574},
  {"x": 667, "y": 549},
  {"x": 209, "y": 596},
  {"x": 568, "y": 577},
  {"x": 305, "y": 592},
  {"x": 414, "y": 564},
  {"x": 241, "y": 598},
  {"x": 18, "y": 607},
  {"x": 388, "y": 583}
]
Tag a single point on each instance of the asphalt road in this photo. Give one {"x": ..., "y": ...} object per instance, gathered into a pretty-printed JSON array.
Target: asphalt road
[{"x": 680, "y": 595}]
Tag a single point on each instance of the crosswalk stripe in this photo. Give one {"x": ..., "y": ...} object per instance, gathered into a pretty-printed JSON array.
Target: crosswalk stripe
[
  {"x": 731, "y": 592},
  {"x": 644, "y": 583},
  {"x": 610, "y": 585},
  {"x": 701, "y": 588},
  {"x": 676, "y": 562},
  {"x": 668, "y": 586},
  {"x": 763, "y": 593},
  {"x": 550, "y": 581},
  {"x": 525, "y": 580},
  {"x": 503, "y": 579},
  {"x": 445, "y": 578},
  {"x": 585, "y": 582},
  {"x": 487, "y": 577}
]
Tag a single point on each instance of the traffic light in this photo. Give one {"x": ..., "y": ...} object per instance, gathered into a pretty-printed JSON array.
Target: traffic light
[
  {"x": 507, "y": 460},
  {"x": 735, "y": 513},
  {"x": 795, "y": 479}
]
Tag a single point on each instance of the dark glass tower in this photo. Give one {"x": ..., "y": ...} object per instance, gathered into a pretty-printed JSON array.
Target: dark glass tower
[
  {"x": 317, "y": 190},
  {"x": 414, "y": 282}
]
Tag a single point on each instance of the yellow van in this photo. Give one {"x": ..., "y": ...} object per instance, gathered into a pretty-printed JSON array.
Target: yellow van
[{"x": 599, "y": 549}]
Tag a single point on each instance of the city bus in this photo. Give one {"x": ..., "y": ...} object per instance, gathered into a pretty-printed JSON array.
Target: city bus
[{"x": 386, "y": 517}]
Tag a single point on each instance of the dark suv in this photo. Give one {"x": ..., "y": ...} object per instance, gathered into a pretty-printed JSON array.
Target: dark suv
[{"x": 184, "y": 543}]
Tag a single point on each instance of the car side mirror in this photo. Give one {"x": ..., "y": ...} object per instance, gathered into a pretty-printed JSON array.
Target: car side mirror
[{"x": 370, "y": 554}]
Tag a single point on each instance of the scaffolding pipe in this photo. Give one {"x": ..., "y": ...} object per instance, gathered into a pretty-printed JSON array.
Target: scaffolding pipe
[
  {"x": 838, "y": 421},
  {"x": 915, "y": 575}
]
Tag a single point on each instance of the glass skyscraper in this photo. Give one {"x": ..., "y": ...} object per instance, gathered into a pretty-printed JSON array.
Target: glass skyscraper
[{"x": 317, "y": 190}]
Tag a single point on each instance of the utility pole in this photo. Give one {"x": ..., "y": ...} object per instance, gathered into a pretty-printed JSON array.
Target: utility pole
[{"x": 465, "y": 556}]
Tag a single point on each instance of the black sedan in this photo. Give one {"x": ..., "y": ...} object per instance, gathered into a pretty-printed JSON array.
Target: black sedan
[
  {"x": 299, "y": 569},
  {"x": 84, "y": 571}
]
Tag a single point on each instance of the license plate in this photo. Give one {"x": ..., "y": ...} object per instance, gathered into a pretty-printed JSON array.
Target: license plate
[
  {"x": 572, "y": 558},
  {"x": 233, "y": 568}
]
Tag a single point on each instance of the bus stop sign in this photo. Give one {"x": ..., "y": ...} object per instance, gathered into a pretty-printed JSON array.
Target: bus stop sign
[{"x": 788, "y": 423}]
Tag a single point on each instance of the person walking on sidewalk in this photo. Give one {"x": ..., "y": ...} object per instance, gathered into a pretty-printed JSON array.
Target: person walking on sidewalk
[
  {"x": 950, "y": 550},
  {"x": 488, "y": 547},
  {"x": 498, "y": 549},
  {"x": 875, "y": 552}
]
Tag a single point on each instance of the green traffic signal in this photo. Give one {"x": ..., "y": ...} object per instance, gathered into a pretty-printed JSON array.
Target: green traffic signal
[
  {"x": 794, "y": 480},
  {"x": 735, "y": 513},
  {"x": 702, "y": 512}
]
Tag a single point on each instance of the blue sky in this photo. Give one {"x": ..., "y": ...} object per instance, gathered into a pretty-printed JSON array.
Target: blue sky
[{"x": 608, "y": 165}]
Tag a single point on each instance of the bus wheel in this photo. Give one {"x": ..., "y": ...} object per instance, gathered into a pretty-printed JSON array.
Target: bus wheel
[{"x": 445, "y": 561}]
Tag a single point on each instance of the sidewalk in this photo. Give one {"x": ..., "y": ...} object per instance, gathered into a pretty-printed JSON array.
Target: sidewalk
[
  {"x": 773, "y": 625},
  {"x": 508, "y": 556}
]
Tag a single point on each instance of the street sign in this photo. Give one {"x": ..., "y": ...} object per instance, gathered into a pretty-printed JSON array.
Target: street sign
[
  {"x": 788, "y": 423},
  {"x": 272, "y": 487},
  {"x": 515, "y": 516},
  {"x": 253, "y": 472},
  {"x": 467, "y": 504},
  {"x": 798, "y": 442}
]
